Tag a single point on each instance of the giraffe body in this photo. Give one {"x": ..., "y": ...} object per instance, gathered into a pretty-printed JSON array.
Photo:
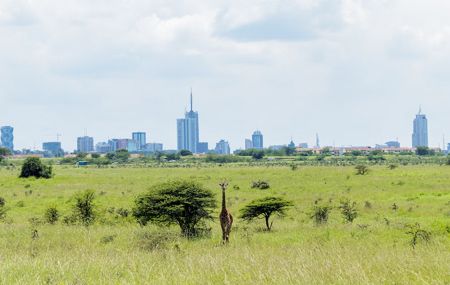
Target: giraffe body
[{"x": 226, "y": 219}]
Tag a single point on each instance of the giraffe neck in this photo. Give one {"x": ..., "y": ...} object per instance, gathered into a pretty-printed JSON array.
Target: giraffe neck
[{"x": 224, "y": 205}]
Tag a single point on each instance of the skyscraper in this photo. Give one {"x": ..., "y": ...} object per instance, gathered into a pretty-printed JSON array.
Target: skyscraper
[
  {"x": 248, "y": 144},
  {"x": 52, "y": 149},
  {"x": 141, "y": 140},
  {"x": 222, "y": 147},
  {"x": 85, "y": 144},
  {"x": 188, "y": 131},
  {"x": 257, "y": 140},
  {"x": 7, "y": 137},
  {"x": 420, "y": 130}
]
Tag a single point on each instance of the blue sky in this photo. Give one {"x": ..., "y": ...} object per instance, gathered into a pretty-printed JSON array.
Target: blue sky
[{"x": 353, "y": 71}]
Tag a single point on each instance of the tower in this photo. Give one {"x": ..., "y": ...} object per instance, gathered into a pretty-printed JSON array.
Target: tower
[
  {"x": 188, "y": 130},
  {"x": 420, "y": 130},
  {"x": 7, "y": 137}
]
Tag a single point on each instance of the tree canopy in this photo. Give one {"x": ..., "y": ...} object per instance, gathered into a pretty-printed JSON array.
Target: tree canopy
[
  {"x": 33, "y": 167},
  {"x": 183, "y": 202},
  {"x": 264, "y": 208}
]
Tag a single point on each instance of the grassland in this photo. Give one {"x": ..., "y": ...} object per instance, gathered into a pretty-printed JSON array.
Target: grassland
[{"x": 375, "y": 249}]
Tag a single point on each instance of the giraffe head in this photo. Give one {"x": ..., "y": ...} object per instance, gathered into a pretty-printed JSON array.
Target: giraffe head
[{"x": 223, "y": 185}]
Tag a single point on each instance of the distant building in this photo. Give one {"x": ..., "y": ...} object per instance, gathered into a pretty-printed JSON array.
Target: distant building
[
  {"x": 222, "y": 147},
  {"x": 188, "y": 131},
  {"x": 102, "y": 147},
  {"x": 291, "y": 144},
  {"x": 154, "y": 147},
  {"x": 257, "y": 140},
  {"x": 248, "y": 144},
  {"x": 420, "y": 131},
  {"x": 202, "y": 147},
  {"x": 141, "y": 139},
  {"x": 276, "y": 147},
  {"x": 393, "y": 144},
  {"x": 116, "y": 144},
  {"x": 85, "y": 144},
  {"x": 448, "y": 148},
  {"x": 52, "y": 149},
  {"x": 7, "y": 137},
  {"x": 132, "y": 145},
  {"x": 303, "y": 145}
]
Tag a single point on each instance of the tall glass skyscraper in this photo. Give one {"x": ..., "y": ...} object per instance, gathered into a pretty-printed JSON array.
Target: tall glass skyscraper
[
  {"x": 7, "y": 137},
  {"x": 420, "y": 131},
  {"x": 258, "y": 140},
  {"x": 140, "y": 138},
  {"x": 188, "y": 131}
]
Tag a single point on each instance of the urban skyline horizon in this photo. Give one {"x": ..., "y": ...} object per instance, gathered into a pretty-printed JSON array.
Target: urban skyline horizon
[{"x": 232, "y": 145}]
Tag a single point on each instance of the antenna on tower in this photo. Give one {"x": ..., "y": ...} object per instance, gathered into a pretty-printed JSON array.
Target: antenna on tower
[
  {"x": 191, "y": 101},
  {"x": 420, "y": 109}
]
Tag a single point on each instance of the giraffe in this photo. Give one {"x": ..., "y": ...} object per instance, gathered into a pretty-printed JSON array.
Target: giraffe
[{"x": 226, "y": 219}]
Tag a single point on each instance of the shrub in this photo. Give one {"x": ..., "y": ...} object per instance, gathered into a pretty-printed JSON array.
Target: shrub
[
  {"x": 33, "y": 167},
  {"x": 260, "y": 185},
  {"x": 3, "y": 209},
  {"x": 361, "y": 169},
  {"x": 265, "y": 208},
  {"x": 348, "y": 210},
  {"x": 83, "y": 210},
  {"x": 392, "y": 166},
  {"x": 448, "y": 161},
  {"x": 181, "y": 202},
  {"x": 51, "y": 215},
  {"x": 417, "y": 233},
  {"x": 320, "y": 214},
  {"x": 185, "y": 152}
]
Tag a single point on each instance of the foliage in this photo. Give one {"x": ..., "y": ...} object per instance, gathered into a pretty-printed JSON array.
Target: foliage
[
  {"x": 423, "y": 150},
  {"x": 51, "y": 215},
  {"x": 362, "y": 169},
  {"x": 260, "y": 184},
  {"x": 4, "y": 151},
  {"x": 83, "y": 209},
  {"x": 3, "y": 209},
  {"x": 185, "y": 152},
  {"x": 254, "y": 153},
  {"x": 448, "y": 161},
  {"x": 82, "y": 155},
  {"x": 95, "y": 155},
  {"x": 392, "y": 166},
  {"x": 33, "y": 167},
  {"x": 417, "y": 233},
  {"x": 320, "y": 214},
  {"x": 172, "y": 156},
  {"x": 348, "y": 210},
  {"x": 222, "y": 158},
  {"x": 265, "y": 208},
  {"x": 183, "y": 202}
]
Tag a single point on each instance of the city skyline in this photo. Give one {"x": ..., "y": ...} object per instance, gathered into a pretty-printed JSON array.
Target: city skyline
[{"x": 344, "y": 69}]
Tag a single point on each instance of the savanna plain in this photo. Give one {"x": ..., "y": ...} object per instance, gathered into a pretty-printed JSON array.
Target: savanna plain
[{"x": 401, "y": 234}]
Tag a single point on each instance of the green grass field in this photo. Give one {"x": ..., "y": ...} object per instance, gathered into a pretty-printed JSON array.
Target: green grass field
[{"x": 374, "y": 249}]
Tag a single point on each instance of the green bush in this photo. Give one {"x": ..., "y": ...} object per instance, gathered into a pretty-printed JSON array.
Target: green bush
[
  {"x": 361, "y": 169},
  {"x": 33, "y": 167},
  {"x": 348, "y": 210},
  {"x": 2, "y": 208},
  {"x": 83, "y": 210},
  {"x": 181, "y": 202},
  {"x": 320, "y": 214},
  {"x": 260, "y": 184},
  {"x": 51, "y": 215}
]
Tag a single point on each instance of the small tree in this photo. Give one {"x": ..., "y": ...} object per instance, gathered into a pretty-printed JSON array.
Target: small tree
[
  {"x": 320, "y": 214},
  {"x": 183, "y": 202},
  {"x": 417, "y": 233},
  {"x": 361, "y": 169},
  {"x": 83, "y": 209},
  {"x": 4, "y": 151},
  {"x": 51, "y": 215},
  {"x": 33, "y": 167},
  {"x": 348, "y": 210},
  {"x": 265, "y": 208},
  {"x": 3, "y": 209},
  {"x": 422, "y": 151}
]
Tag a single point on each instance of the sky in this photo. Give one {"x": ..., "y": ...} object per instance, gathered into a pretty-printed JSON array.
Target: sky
[{"x": 353, "y": 71}]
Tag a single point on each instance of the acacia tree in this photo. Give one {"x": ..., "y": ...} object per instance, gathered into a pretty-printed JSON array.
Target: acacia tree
[
  {"x": 182, "y": 202},
  {"x": 33, "y": 167},
  {"x": 264, "y": 208}
]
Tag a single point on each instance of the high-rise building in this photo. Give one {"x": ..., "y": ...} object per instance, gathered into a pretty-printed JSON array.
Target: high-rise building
[
  {"x": 52, "y": 149},
  {"x": 7, "y": 137},
  {"x": 291, "y": 144},
  {"x": 420, "y": 130},
  {"x": 85, "y": 144},
  {"x": 202, "y": 147},
  {"x": 303, "y": 145},
  {"x": 141, "y": 139},
  {"x": 222, "y": 147},
  {"x": 248, "y": 144},
  {"x": 188, "y": 131},
  {"x": 257, "y": 140},
  {"x": 154, "y": 147},
  {"x": 102, "y": 147},
  {"x": 448, "y": 148}
]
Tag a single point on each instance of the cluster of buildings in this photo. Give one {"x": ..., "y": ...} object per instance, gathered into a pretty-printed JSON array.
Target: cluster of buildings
[{"x": 188, "y": 138}]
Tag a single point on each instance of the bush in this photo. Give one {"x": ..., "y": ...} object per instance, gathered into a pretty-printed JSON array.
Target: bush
[
  {"x": 185, "y": 152},
  {"x": 2, "y": 208},
  {"x": 181, "y": 202},
  {"x": 51, "y": 215},
  {"x": 361, "y": 169},
  {"x": 348, "y": 210},
  {"x": 33, "y": 167},
  {"x": 265, "y": 208},
  {"x": 260, "y": 185},
  {"x": 417, "y": 233},
  {"x": 83, "y": 210},
  {"x": 448, "y": 161},
  {"x": 320, "y": 214}
]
